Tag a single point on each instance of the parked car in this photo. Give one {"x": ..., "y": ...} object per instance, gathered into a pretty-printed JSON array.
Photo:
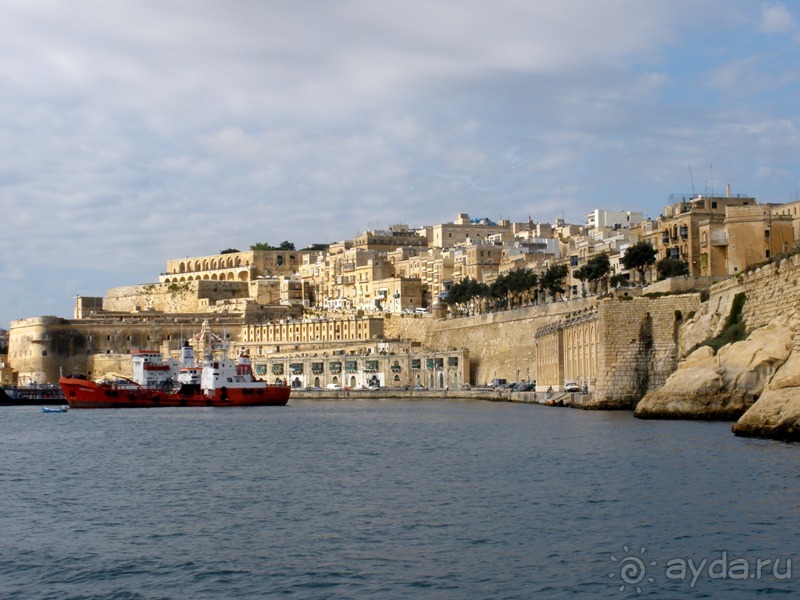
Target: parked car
[
  {"x": 571, "y": 386},
  {"x": 466, "y": 387}
]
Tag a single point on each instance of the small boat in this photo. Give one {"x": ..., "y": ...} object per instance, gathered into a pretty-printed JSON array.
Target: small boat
[{"x": 55, "y": 409}]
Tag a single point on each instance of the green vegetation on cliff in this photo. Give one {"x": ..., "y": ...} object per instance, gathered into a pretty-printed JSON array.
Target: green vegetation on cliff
[{"x": 734, "y": 328}]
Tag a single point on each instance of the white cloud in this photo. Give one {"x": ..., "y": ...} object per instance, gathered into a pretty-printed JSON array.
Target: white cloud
[
  {"x": 776, "y": 18},
  {"x": 136, "y": 132}
]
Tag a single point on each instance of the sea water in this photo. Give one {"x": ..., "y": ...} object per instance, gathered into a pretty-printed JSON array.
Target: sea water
[{"x": 391, "y": 499}]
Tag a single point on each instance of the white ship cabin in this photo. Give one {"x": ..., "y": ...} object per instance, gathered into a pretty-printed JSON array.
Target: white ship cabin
[
  {"x": 151, "y": 370},
  {"x": 189, "y": 373},
  {"x": 228, "y": 373}
]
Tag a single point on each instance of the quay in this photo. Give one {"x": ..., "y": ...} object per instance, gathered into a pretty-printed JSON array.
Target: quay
[{"x": 567, "y": 399}]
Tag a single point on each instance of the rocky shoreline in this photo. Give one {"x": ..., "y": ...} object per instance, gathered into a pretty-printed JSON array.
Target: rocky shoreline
[{"x": 755, "y": 382}]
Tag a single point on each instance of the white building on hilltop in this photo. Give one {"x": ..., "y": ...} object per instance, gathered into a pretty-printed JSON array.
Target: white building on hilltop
[{"x": 613, "y": 219}]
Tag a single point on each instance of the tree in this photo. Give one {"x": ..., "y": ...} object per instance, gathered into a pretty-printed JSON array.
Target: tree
[
  {"x": 229, "y": 251},
  {"x": 671, "y": 267},
  {"x": 596, "y": 270},
  {"x": 509, "y": 289},
  {"x": 466, "y": 294},
  {"x": 262, "y": 246},
  {"x": 285, "y": 245},
  {"x": 639, "y": 257},
  {"x": 553, "y": 279},
  {"x": 618, "y": 280}
]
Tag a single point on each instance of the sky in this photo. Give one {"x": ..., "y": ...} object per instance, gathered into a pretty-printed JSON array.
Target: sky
[{"x": 133, "y": 132}]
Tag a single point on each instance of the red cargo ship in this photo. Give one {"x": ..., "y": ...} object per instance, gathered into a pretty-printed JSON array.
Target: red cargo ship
[{"x": 158, "y": 382}]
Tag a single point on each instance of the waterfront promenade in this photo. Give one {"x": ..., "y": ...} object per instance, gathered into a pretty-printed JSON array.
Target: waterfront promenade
[{"x": 576, "y": 400}]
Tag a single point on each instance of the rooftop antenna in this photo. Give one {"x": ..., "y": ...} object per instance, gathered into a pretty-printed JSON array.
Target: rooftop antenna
[
  {"x": 691, "y": 178},
  {"x": 711, "y": 167}
]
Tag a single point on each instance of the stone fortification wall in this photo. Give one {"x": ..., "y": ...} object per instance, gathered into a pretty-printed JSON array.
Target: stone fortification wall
[
  {"x": 41, "y": 348},
  {"x": 639, "y": 340},
  {"x": 413, "y": 328},
  {"x": 770, "y": 292},
  {"x": 501, "y": 345},
  {"x": 183, "y": 297}
]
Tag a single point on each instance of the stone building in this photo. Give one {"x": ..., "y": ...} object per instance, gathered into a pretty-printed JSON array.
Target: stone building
[
  {"x": 301, "y": 334},
  {"x": 397, "y": 236},
  {"x": 676, "y": 234},
  {"x": 379, "y": 365},
  {"x": 448, "y": 235},
  {"x": 234, "y": 266},
  {"x": 744, "y": 236}
]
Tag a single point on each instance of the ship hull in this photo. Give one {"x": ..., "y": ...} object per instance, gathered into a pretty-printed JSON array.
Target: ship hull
[
  {"x": 82, "y": 393},
  {"x": 31, "y": 395}
]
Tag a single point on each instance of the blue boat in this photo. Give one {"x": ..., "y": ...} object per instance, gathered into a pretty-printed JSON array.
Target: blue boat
[{"x": 54, "y": 409}]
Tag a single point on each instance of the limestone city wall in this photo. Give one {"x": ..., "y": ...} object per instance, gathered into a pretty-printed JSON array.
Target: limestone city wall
[
  {"x": 770, "y": 291},
  {"x": 502, "y": 344},
  {"x": 183, "y": 297},
  {"x": 639, "y": 346}
]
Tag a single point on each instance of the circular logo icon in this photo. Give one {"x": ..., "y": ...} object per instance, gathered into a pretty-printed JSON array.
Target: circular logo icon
[{"x": 632, "y": 570}]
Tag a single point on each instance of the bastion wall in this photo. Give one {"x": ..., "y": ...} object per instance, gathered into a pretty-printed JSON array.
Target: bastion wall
[
  {"x": 637, "y": 350},
  {"x": 639, "y": 346},
  {"x": 183, "y": 297},
  {"x": 501, "y": 344},
  {"x": 770, "y": 291}
]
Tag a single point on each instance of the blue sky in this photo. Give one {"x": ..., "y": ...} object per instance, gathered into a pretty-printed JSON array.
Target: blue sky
[{"x": 135, "y": 132}]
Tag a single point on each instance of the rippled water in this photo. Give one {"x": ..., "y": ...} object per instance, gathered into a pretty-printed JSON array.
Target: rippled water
[{"x": 389, "y": 499}]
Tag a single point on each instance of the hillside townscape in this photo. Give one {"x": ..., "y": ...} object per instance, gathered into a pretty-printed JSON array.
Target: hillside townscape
[{"x": 609, "y": 307}]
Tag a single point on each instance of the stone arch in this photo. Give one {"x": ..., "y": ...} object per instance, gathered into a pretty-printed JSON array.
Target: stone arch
[
  {"x": 182, "y": 267},
  {"x": 213, "y": 277}
]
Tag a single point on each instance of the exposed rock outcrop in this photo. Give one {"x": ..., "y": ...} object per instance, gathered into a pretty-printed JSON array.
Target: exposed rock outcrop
[
  {"x": 723, "y": 385},
  {"x": 776, "y": 414}
]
